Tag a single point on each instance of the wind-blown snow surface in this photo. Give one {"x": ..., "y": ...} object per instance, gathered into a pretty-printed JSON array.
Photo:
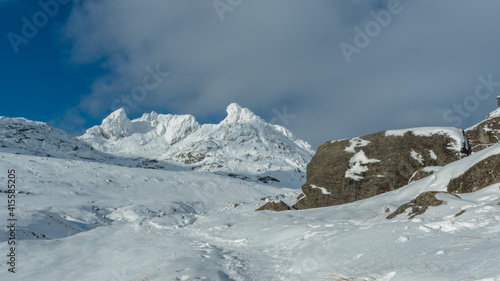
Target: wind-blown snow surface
[
  {"x": 243, "y": 144},
  {"x": 104, "y": 222}
]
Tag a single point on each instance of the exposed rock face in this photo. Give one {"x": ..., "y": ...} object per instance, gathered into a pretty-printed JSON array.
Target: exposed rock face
[
  {"x": 275, "y": 206},
  {"x": 423, "y": 173},
  {"x": 419, "y": 205},
  {"x": 481, "y": 175},
  {"x": 354, "y": 169},
  {"x": 486, "y": 133}
]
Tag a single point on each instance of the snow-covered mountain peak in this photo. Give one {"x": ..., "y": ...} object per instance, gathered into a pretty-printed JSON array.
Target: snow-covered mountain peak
[
  {"x": 116, "y": 125},
  {"x": 170, "y": 128},
  {"x": 238, "y": 114},
  {"x": 242, "y": 144}
]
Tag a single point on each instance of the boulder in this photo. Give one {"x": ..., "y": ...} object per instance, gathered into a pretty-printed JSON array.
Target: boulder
[
  {"x": 275, "y": 206},
  {"x": 486, "y": 133},
  {"x": 479, "y": 176},
  {"x": 353, "y": 169}
]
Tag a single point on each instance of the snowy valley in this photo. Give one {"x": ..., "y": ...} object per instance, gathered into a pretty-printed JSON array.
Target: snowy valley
[{"x": 163, "y": 197}]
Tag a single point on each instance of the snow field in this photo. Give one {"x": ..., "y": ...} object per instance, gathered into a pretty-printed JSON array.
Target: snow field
[{"x": 104, "y": 222}]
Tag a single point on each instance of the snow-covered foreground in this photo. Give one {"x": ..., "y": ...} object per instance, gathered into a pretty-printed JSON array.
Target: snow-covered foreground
[{"x": 101, "y": 222}]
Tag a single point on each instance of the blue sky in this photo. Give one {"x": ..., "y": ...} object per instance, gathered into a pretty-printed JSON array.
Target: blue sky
[
  {"x": 324, "y": 69},
  {"x": 39, "y": 82}
]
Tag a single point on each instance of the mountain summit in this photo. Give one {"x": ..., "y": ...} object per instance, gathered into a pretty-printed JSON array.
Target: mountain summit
[
  {"x": 237, "y": 114},
  {"x": 242, "y": 145}
]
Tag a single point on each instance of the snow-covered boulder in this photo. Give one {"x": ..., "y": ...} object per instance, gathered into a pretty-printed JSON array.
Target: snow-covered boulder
[
  {"x": 353, "y": 169},
  {"x": 487, "y": 132}
]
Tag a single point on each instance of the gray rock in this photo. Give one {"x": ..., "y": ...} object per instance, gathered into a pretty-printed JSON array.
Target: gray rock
[
  {"x": 275, "y": 206},
  {"x": 418, "y": 205},
  {"x": 486, "y": 133},
  {"x": 423, "y": 173},
  {"x": 479, "y": 176},
  {"x": 354, "y": 169}
]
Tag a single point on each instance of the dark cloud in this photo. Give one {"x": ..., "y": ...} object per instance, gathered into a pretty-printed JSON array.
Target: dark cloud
[{"x": 284, "y": 56}]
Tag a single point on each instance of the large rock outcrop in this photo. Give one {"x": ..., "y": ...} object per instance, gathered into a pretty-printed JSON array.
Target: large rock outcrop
[
  {"x": 353, "y": 169},
  {"x": 479, "y": 176},
  {"x": 486, "y": 133}
]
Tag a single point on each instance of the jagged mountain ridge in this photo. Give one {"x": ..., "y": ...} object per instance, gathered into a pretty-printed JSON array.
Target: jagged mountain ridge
[{"x": 242, "y": 145}]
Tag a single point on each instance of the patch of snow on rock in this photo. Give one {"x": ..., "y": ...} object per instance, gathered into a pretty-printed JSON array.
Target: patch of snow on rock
[
  {"x": 415, "y": 155},
  {"x": 358, "y": 165},
  {"x": 356, "y": 142},
  {"x": 432, "y": 154},
  {"x": 323, "y": 190}
]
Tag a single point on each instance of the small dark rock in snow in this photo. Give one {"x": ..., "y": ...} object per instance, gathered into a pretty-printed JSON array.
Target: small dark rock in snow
[
  {"x": 275, "y": 206},
  {"x": 419, "y": 205}
]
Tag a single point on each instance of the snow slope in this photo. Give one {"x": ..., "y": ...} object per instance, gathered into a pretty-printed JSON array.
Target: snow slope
[
  {"x": 22, "y": 136},
  {"x": 96, "y": 221},
  {"x": 242, "y": 145}
]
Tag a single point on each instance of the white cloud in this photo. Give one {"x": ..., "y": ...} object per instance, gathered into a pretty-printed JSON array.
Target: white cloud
[{"x": 269, "y": 54}]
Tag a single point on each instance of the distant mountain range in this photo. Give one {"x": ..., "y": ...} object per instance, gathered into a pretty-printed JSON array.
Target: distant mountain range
[{"x": 243, "y": 145}]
